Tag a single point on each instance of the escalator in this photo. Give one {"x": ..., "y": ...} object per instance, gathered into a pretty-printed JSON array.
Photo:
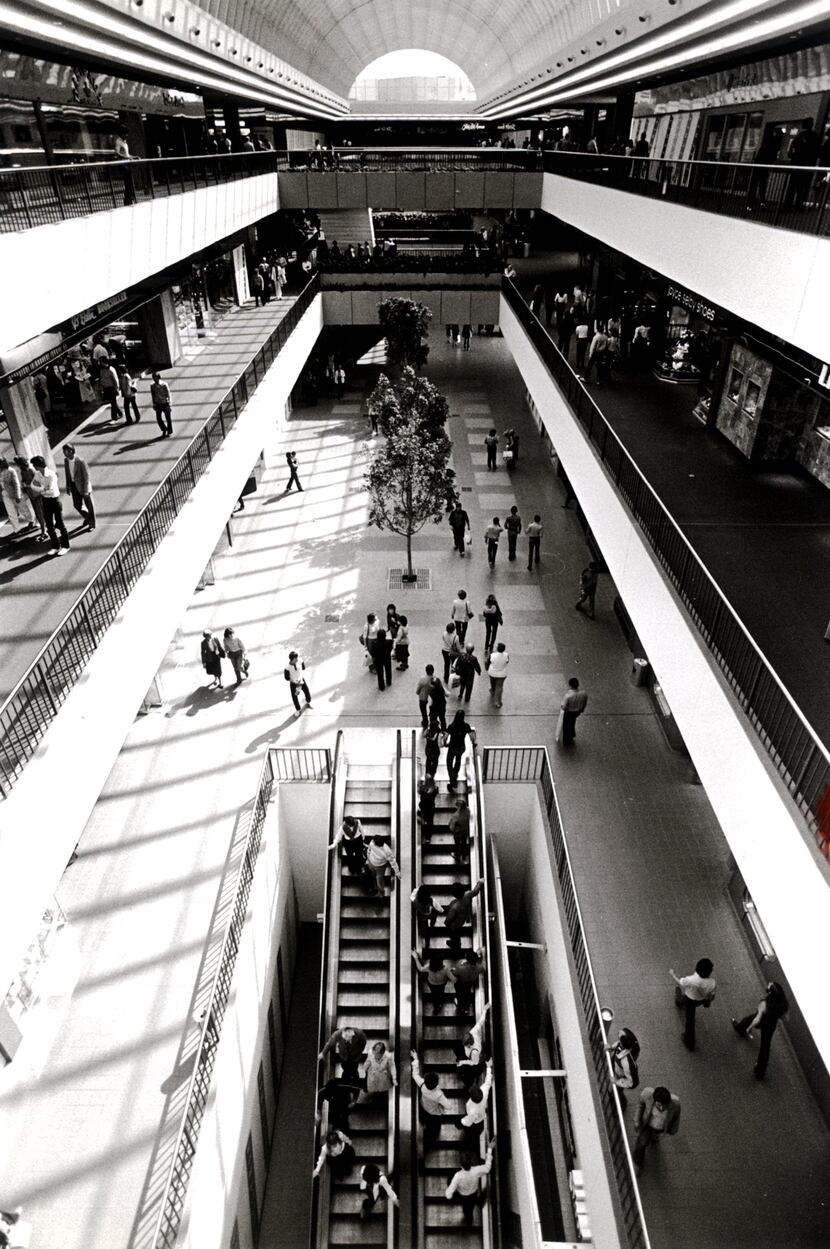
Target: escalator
[
  {"x": 360, "y": 990},
  {"x": 439, "y": 1222}
]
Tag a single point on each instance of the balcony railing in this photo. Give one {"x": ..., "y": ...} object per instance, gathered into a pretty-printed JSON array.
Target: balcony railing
[
  {"x": 274, "y": 769},
  {"x": 46, "y": 194},
  {"x": 35, "y": 701},
  {"x": 512, "y": 764},
  {"x": 791, "y": 197},
  {"x": 799, "y": 756}
]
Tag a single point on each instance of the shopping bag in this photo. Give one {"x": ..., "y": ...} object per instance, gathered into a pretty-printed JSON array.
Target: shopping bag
[
  {"x": 560, "y": 724},
  {"x": 507, "y": 456},
  {"x": 455, "y": 680}
]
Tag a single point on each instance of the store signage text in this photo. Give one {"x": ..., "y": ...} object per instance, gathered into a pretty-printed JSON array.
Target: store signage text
[
  {"x": 97, "y": 310},
  {"x": 687, "y": 300}
]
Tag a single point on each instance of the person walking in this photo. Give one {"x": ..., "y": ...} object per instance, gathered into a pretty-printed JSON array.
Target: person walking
[
  {"x": 351, "y": 837},
  {"x": 465, "y": 1185},
  {"x": 379, "y": 856},
  {"x": 451, "y": 648},
  {"x": 212, "y": 656},
  {"x": 338, "y": 1154},
  {"x": 422, "y": 689},
  {"x": 570, "y": 709},
  {"x": 458, "y": 733},
  {"x": 45, "y": 485},
  {"x": 438, "y": 705},
  {"x": 295, "y": 676},
  {"x": 588, "y": 579},
  {"x": 461, "y": 614},
  {"x": 393, "y": 620},
  {"x": 293, "y": 480},
  {"x": 582, "y": 330},
  {"x": 347, "y": 1045},
  {"x": 340, "y": 380},
  {"x": 383, "y": 659},
  {"x": 128, "y": 395},
  {"x": 162, "y": 405},
  {"x": 235, "y": 650},
  {"x": 466, "y": 335},
  {"x": 513, "y": 525},
  {"x": 492, "y": 619},
  {"x": 27, "y": 473},
  {"x": 110, "y": 389},
  {"x": 534, "y": 541},
  {"x": 436, "y": 978},
  {"x": 427, "y": 793},
  {"x": 475, "y": 1110},
  {"x": 258, "y": 288},
  {"x": 369, "y": 637},
  {"x": 491, "y": 536},
  {"x": 432, "y": 1102},
  {"x": 402, "y": 644},
  {"x": 459, "y": 523},
  {"x": 658, "y": 1114},
  {"x": 497, "y": 672},
  {"x": 624, "y": 1055},
  {"x": 692, "y": 992},
  {"x": 468, "y": 668},
  {"x": 491, "y": 443},
  {"x": 375, "y": 1185},
  {"x": 379, "y": 1070},
  {"x": 15, "y": 499},
  {"x": 426, "y": 910},
  {"x": 79, "y": 485},
  {"x": 770, "y": 1011},
  {"x": 340, "y": 1097}
]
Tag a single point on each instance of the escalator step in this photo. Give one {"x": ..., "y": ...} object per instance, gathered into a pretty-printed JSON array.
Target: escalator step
[
  {"x": 352, "y": 931},
  {"x": 362, "y": 999},
  {"x": 362, "y": 975},
  {"x": 363, "y": 951},
  {"x": 447, "y": 1215},
  {"x": 367, "y": 1144},
  {"x": 463, "y": 1238},
  {"x": 351, "y": 1231},
  {"x": 365, "y": 909},
  {"x": 441, "y": 1162}
]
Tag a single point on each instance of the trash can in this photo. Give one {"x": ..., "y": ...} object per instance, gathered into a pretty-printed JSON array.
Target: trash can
[{"x": 639, "y": 672}]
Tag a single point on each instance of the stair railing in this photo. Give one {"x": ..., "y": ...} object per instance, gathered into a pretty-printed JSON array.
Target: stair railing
[{"x": 392, "y": 1154}]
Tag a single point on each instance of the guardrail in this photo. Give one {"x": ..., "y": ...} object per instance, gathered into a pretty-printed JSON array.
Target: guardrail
[
  {"x": 175, "y": 1190},
  {"x": 791, "y": 197},
  {"x": 434, "y": 260},
  {"x": 43, "y": 194},
  {"x": 532, "y": 764},
  {"x": 36, "y": 699},
  {"x": 799, "y": 756}
]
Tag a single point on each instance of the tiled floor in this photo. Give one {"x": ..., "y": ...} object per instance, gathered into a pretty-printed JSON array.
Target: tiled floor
[{"x": 83, "y": 1103}]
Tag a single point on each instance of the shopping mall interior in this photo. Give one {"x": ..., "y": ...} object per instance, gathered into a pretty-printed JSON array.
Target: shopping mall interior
[{"x": 415, "y": 737}]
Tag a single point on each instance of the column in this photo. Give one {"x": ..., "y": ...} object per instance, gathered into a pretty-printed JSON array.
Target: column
[
  {"x": 160, "y": 330},
  {"x": 25, "y": 419}
]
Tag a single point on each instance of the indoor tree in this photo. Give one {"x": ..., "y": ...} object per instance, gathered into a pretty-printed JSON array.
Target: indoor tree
[{"x": 405, "y": 324}]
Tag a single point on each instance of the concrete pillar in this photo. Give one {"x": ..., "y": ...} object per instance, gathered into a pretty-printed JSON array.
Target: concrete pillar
[
  {"x": 241, "y": 289},
  {"x": 25, "y": 420},
  {"x": 160, "y": 330}
]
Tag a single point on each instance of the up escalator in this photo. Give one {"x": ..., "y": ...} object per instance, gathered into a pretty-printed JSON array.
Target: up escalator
[
  {"x": 359, "y": 990},
  {"x": 437, "y": 864}
]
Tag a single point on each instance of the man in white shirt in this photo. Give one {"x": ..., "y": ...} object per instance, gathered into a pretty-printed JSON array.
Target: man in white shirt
[
  {"x": 497, "y": 672},
  {"x": 295, "y": 675},
  {"x": 470, "y": 1051},
  {"x": 534, "y": 541},
  {"x": 465, "y": 1185},
  {"x": 694, "y": 991},
  {"x": 475, "y": 1110},
  {"x": 433, "y": 1103},
  {"x": 45, "y": 484}
]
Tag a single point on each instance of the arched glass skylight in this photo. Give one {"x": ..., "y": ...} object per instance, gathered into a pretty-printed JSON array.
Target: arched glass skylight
[{"x": 412, "y": 75}]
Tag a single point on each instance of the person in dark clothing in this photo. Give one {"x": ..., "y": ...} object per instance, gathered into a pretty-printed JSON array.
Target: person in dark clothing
[
  {"x": 383, "y": 659},
  {"x": 771, "y": 1009},
  {"x": 564, "y": 332},
  {"x": 432, "y": 751},
  {"x": 513, "y": 525},
  {"x": 459, "y": 731},
  {"x": 588, "y": 579},
  {"x": 341, "y": 1096},
  {"x": 459, "y": 523},
  {"x": 293, "y": 480},
  {"x": 422, "y": 691},
  {"x": 468, "y": 668},
  {"x": 491, "y": 442},
  {"x": 427, "y": 792},
  {"x": 804, "y": 150},
  {"x": 212, "y": 656},
  {"x": 438, "y": 705},
  {"x": 350, "y": 836}
]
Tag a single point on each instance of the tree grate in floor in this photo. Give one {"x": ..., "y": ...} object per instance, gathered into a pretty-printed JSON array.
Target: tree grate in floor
[{"x": 395, "y": 581}]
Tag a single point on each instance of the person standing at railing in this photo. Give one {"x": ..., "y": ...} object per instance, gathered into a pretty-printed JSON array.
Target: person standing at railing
[
  {"x": 582, "y": 332},
  {"x": 350, "y": 836},
  {"x": 162, "y": 403},
  {"x": 803, "y": 151},
  {"x": 475, "y": 1111},
  {"x": 122, "y": 152},
  {"x": 459, "y": 825},
  {"x": 465, "y": 1185},
  {"x": 459, "y": 912},
  {"x": 469, "y": 1051},
  {"x": 624, "y": 1054},
  {"x": 337, "y": 1153},
  {"x": 658, "y": 1114}
]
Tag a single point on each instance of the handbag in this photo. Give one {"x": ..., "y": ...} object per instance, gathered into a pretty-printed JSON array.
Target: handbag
[
  {"x": 362, "y": 640},
  {"x": 455, "y": 680},
  {"x": 507, "y": 456},
  {"x": 246, "y": 665},
  {"x": 367, "y": 660},
  {"x": 469, "y": 539}
]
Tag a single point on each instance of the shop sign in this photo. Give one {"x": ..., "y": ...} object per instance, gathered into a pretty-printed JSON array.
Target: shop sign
[
  {"x": 824, "y": 376},
  {"x": 472, "y": 125},
  {"x": 686, "y": 299},
  {"x": 92, "y": 314}
]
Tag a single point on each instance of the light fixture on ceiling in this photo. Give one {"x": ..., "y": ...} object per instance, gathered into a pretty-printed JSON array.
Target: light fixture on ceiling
[{"x": 195, "y": 31}]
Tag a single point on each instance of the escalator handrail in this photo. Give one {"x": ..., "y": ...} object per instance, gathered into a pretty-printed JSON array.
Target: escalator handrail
[
  {"x": 482, "y": 927},
  {"x": 394, "y": 1014},
  {"x": 318, "y": 1235},
  {"x": 418, "y": 1182}
]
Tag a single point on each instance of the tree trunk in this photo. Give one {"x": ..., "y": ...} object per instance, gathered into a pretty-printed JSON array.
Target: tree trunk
[{"x": 410, "y": 574}]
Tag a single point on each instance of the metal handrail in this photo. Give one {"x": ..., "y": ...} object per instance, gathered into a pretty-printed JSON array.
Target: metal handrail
[
  {"x": 174, "y": 1193},
  {"x": 799, "y": 755},
  {"x": 392, "y": 1153},
  {"x": 318, "y": 1235},
  {"x": 35, "y": 700},
  {"x": 417, "y": 1134},
  {"x": 535, "y": 767}
]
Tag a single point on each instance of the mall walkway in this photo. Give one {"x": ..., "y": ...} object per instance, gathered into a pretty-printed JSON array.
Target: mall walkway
[
  {"x": 127, "y": 463},
  {"x": 762, "y": 531},
  {"x": 84, "y": 1103}
]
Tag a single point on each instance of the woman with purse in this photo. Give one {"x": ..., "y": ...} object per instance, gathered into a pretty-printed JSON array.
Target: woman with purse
[
  {"x": 451, "y": 648},
  {"x": 368, "y": 638},
  {"x": 212, "y": 656},
  {"x": 492, "y": 619}
]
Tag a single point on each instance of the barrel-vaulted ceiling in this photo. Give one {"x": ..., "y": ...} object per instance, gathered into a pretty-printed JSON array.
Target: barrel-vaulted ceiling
[{"x": 494, "y": 41}]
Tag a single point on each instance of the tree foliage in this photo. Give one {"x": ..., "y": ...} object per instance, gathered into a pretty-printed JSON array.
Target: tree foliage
[
  {"x": 408, "y": 477},
  {"x": 405, "y": 324}
]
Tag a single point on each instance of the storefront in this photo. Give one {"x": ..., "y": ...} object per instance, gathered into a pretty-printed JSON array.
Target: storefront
[{"x": 692, "y": 336}]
